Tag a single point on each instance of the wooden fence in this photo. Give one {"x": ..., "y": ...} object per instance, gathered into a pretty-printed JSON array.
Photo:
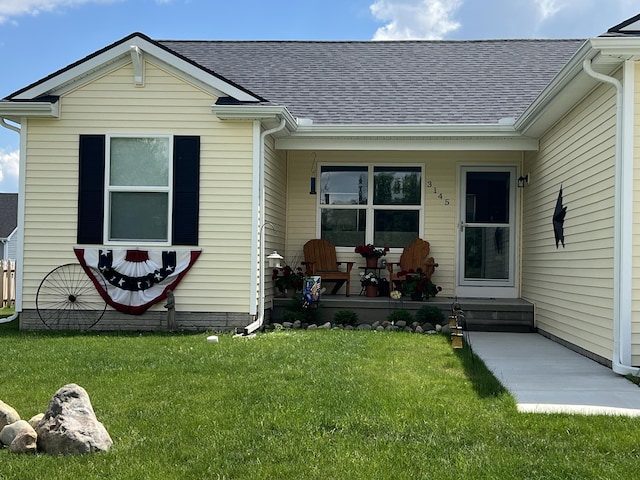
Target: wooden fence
[{"x": 8, "y": 283}]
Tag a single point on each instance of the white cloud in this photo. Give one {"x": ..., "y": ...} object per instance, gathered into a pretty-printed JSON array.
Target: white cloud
[
  {"x": 9, "y": 169},
  {"x": 15, "y": 8},
  {"x": 415, "y": 19}
]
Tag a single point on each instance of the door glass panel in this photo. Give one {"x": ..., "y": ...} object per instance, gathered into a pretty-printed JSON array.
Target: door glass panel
[
  {"x": 487, "y": 197},
  {"x": 486, "y": 253}
]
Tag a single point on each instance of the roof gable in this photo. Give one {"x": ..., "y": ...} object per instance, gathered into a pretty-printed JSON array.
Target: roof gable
[
  {"x": 120, "y": 51},
  {"x": 630, "y": 26}
]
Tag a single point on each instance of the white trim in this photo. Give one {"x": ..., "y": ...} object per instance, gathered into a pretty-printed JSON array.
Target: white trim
[
  {"x": 255, "y": 218},
  {"x": 21, "y": 208},
  {"x": 80, "y": 71},
  {"x": 14, "y": 110}
]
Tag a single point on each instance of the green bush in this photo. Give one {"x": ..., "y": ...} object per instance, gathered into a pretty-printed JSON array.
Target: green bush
[
  {"x": 346, "y": 317},
  {"x": 430, "y": 314},
  {"x": 400, "y": 314}
]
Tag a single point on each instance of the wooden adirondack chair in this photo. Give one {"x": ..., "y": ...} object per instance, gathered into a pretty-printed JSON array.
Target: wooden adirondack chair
[
  {"x": 320, "y": 259},
  {"x": 414, "y": 256}
]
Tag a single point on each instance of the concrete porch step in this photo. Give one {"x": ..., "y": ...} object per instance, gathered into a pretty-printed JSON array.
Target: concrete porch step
[{"x": 481, "y": 314}]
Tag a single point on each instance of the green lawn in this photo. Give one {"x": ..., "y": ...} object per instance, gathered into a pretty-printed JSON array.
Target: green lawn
[{"x": 299, "y": 405}]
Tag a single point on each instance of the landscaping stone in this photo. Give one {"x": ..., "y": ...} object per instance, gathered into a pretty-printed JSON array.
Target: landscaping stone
[
  {"x": 379, "y": 328},
  {"x": 35, "y": 420},
  {"x": 401, "y": 323},
  {"x": 9, "y": 432},
  {"x": 375, "y": 325},
  {"x": 8, "y": 415},
  {"x": 25, "y": 441},
  {"x": 70, "y": 426},
  {"x": 325, "y": 326},
  {"x": 297, "y": 324},
  {"x": 418, "y": 329},
  {"x": 364, "y": 326},
  {"x": 313, "y": 326},
  {"x": 287, "y": 325}
]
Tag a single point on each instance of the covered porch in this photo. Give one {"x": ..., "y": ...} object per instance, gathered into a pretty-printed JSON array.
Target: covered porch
[{"x": 481, "y": 314}]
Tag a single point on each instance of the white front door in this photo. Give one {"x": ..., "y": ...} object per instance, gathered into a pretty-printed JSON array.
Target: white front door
[{"x": 487, "y": 233}]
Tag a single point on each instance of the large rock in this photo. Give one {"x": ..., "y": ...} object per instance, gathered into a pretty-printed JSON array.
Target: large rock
[
  {"x": 8, "y": 415},
  {"x": 9, "y": 432},
  {"x": 70, "y": 426}
]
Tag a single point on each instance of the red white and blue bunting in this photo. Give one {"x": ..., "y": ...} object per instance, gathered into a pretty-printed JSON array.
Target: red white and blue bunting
[{"x": 136, "y": 279}]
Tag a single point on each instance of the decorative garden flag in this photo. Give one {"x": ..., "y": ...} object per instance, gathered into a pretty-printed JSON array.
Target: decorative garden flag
[
  {"x": 558, "y": 220},
  {"x": 136, "y": 279}
]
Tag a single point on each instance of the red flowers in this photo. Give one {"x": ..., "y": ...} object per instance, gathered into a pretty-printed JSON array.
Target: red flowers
[{"x": 369, "y": 251}]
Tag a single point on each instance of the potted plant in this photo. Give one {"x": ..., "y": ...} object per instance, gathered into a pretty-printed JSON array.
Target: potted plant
[
  {"x": 287, "y": 280},
  {"x": 417, "y": 285},
  {"x": 371, "y": 253},
  {"x": 370, "y": 282}
]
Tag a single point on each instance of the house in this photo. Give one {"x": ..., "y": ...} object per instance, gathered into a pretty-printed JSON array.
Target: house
[
  {"x": 515, "y": 159},
  {"x": 9, "y": 225}
]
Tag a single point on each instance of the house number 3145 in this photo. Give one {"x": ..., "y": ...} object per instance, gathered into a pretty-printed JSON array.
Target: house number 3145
[{"x": 431, "y": 187}]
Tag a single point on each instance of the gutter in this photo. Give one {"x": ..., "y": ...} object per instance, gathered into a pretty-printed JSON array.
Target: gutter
[
  {"x": 252, "y": 327},
  {"x": 3, "y": 122},
  {"x": 622, "y": 307}
]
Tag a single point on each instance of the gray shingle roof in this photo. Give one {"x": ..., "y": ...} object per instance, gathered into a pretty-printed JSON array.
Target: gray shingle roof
[
  {"x": 8, "y": 213},
  {"x": 404, "y": 82}
]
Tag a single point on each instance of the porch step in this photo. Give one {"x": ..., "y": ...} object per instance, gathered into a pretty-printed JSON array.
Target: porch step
[{"x": 486, "y": 315}]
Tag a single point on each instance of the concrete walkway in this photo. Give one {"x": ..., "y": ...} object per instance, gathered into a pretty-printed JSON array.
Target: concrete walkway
[{"x": 545, "y": 377}]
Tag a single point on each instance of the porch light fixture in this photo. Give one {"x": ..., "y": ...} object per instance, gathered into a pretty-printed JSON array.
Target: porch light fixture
[
  {"x": 523, "y": 181},
  {"x": 275, "y": 260},
  {"x": 312, "y": 186}
]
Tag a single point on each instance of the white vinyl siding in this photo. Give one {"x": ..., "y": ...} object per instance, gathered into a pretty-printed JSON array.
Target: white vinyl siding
[
  {"x": 572, "y": 287},
  {"x": 166, "y": 105}
]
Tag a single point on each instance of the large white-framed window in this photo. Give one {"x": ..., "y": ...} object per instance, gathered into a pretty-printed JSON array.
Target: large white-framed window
[
  {"x": 378, "y": 204},
  {"x": 138, "y": 194}
]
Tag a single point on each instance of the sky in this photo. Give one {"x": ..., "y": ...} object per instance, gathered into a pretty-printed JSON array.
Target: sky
[{"x": 38, "y": 37}]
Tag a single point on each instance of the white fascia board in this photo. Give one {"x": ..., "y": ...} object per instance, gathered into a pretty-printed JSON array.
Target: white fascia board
[
  {"x": 263, "y": 113},
  {"x": 16, "y": 110},
  {"x": 116, "y": 53},
  {"x": 407, "y": 137},
  {"x": 625, "y": 48}
]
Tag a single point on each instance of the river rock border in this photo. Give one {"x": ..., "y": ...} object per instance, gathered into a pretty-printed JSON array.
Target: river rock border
[{"x": 385, "y": 326}]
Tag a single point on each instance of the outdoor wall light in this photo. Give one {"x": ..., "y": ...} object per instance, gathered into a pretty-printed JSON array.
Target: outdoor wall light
[
  {"x": 312, "y": 186},
  {"x": 275, "y": 260},
  {"x": 523, "y": 181}
]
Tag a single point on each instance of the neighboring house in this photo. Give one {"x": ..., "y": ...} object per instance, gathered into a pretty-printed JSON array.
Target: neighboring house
[
  {"x": 404, "y": 139},
  {"x": 9, "y": 225}
]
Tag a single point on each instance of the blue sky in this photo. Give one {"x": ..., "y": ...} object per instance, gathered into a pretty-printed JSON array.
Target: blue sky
[{"x": 38, "y": 37}]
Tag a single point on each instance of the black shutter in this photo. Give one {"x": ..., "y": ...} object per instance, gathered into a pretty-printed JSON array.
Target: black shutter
[
  {"x": 186, "y": 190},
  {"x": 91, "y": 189}
]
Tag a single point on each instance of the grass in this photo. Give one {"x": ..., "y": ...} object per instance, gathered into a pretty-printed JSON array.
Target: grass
[{"x": 298, "y": 405}]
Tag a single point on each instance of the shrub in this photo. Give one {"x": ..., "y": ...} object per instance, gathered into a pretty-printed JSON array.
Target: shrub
[
  {"x": 430, "y": 314},
  {"x": 400, "y": 314},
  {"x": 346, "y": 317}
]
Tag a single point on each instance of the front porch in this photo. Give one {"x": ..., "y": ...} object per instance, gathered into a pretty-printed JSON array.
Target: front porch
[{"x": 482, "y": 314}]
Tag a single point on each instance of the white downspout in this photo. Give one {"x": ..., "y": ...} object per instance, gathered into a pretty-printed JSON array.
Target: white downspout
[
  {"x": 3, "y": 122},
  {"x": 252, "y": 327},
  {"x": 623, "y": 236}
]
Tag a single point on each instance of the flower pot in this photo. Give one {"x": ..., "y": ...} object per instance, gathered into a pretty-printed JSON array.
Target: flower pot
[
  {"x": 372, "y": 290},
  {"x": 372, "y": 262}
]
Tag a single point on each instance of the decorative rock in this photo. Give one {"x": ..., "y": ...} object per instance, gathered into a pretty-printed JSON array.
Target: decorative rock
[
  {"x": 432, "y": 332},
  {"x": 419, "y": 329},
  {"x": 364, "y": 326},
  {"x": 35, "y": 420},
  {"x": 379, "y": 328},
  {"x": 348, "y": 327},
  {"x": 386, "y": 323},
  {"x": 401, "y": 323},
  {"x": 287, "y": 325},
  {"x": 9, "y": 432},
  {"x": 8, "y": 415},
  {"x": 428, "y": 326},
  {"x": 297, "y": 324},
  {"x": 325, "y": 326},
  {"x": 70, "y": 426},
  {"x": 313, "y": 326},
  {"x": 25, "y": 442},
  {"x": 375, "y": 325},
  {"x": 446, "y": 330},
  {"x": 438, "y": 328},
  {"x": 277, "y": 326}
]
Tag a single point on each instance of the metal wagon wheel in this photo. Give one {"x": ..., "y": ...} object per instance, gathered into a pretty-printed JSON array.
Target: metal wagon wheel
[{"x": 68, "y": 299}]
